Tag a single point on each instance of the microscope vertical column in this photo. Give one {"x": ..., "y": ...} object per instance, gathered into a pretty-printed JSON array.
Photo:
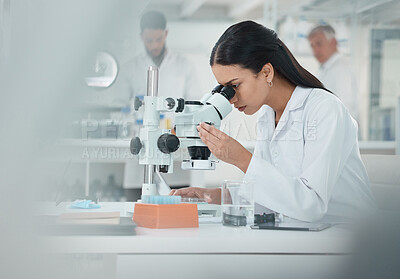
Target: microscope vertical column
[
  {"x": 151, "y": 118},
  {"x": 152, "y": 81}
]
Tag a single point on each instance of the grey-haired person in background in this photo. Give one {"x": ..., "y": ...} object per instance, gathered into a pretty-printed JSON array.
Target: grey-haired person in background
[{"x": 335, "y": 71}]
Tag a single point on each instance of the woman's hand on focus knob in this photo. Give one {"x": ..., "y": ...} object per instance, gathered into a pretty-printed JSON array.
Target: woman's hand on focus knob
[{"x": 224, "y": 147}]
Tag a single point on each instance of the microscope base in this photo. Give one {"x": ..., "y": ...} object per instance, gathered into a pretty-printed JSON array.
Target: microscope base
[{"x": 149, "y": 189}]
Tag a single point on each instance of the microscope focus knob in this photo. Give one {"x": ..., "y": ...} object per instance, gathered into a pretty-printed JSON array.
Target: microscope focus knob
[
  {"x": 137, "y": 104},
  {"x": 181, "y": 105},
  {"x": 168, "y": 143},
  {"x": 136, "y": 145}
]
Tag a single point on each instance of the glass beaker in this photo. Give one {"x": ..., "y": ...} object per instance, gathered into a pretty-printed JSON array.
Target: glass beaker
[{"x": 237, "y": 203}]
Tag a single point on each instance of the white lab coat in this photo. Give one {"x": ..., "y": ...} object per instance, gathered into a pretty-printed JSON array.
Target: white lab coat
[
  {"x": 337, "y": 75},
  {"x": 309, "y": 166},
  {"x": 177, "y": 77}
]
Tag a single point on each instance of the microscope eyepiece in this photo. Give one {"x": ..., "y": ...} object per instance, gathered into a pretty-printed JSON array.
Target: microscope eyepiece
[
  {"x": 228, "y": 92},
  {"x": 217, "y": 89}
]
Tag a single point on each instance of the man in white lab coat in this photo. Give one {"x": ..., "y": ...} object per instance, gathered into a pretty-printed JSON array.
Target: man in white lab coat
[
  {"x": 177, "y": 78},
  {"x": 335, "y": 72}
]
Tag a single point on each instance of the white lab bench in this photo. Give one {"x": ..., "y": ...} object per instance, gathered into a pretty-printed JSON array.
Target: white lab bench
[{"x": 212, "y": 251}]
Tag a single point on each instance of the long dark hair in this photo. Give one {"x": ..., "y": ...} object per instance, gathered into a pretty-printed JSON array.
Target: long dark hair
[{"x": 251, "y": 46}]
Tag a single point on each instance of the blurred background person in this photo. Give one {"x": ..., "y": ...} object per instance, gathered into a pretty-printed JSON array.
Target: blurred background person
[
  {"x": 335, "y": 71},
  {"x": 177, "y": 78}
]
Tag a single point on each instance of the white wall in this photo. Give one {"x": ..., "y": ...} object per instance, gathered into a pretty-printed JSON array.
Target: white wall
[{"x": 196, "y": 40}]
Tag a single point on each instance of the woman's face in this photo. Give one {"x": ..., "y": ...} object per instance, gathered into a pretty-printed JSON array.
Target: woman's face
[{"x": 251, "y": 89}]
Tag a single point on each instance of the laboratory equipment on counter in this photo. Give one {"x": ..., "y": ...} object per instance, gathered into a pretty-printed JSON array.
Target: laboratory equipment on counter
[
  {"x": 155, "y": 146},
  {"x": 237, "y": 203},
  {"x": 162, "y": 216}
]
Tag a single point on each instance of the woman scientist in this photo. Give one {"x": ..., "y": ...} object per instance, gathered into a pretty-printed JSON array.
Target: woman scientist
[{"x": 306, "y": 163}]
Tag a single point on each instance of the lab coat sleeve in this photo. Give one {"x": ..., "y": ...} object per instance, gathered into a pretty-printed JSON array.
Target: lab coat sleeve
[{"x": 306, "y": 196}]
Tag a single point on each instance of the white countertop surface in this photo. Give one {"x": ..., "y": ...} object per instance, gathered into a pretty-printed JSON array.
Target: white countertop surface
[{"x": 207, "y": 239}]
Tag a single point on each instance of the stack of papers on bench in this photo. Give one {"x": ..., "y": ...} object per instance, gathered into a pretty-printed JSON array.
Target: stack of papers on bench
[
  {"x": 89, "y": 218},
  {"x": 87, "y": 223}
]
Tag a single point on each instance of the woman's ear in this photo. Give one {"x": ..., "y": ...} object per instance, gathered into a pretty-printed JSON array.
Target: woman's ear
[{"x": 268, "y": 72}]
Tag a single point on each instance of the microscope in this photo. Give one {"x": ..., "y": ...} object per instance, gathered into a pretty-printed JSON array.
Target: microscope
[{"x": 155, "y": 146}]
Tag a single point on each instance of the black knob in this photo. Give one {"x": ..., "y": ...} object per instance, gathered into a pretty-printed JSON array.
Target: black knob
[
  {"x": 137, "y": 104},
  {"x": 136, "y": 145},
  {"x": 163, "y": 168},
  {"x": 181, "y": 105},
  {"x": 168, "y": 143}
]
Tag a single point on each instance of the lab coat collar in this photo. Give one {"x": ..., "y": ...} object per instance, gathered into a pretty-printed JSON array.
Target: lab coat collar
[
  {"x": 265, "y": 109},
  {"x": 332, "y": 60},
  {"x": 167, "y": 56},
  {"x": 299, "y": 96},
  {"x": 296, "y": 101}
]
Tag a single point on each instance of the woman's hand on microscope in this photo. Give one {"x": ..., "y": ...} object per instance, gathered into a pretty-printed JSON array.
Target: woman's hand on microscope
[
  {"x": 224, "y": 147},
  {"x": 211, "y": 195}
]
